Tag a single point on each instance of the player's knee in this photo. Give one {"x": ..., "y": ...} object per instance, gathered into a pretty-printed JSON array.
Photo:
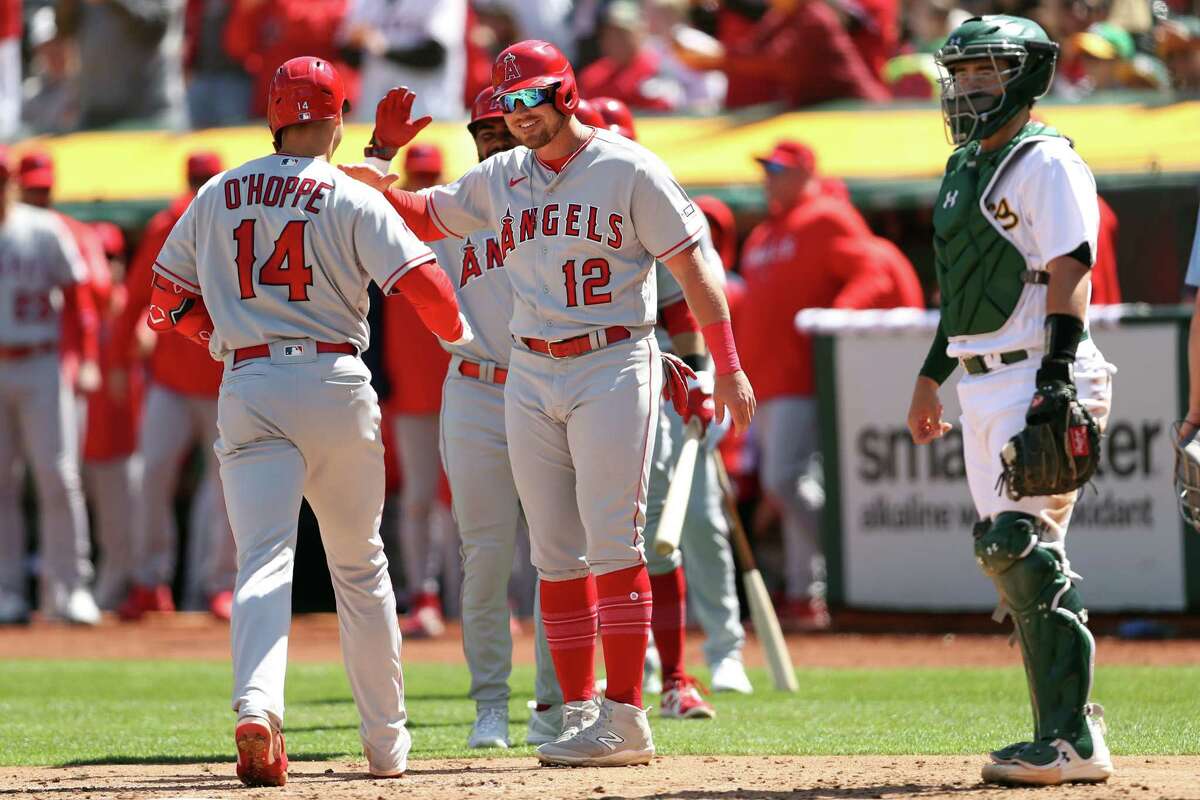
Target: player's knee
[{"x": 1004, "y": 542}]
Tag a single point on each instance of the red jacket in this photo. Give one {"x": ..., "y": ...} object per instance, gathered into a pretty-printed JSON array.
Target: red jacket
[
  {"x": 805, "y": 56},
  {"x": 607, "y": 78},
  {"x": 1106, "y": 289},
  {"x": 177, "y": 363},
  {"x": 817, "y": 255},
  {"x": 113, "y": 421},
  {"x": 10, "y": 19},
  {"x": 415, "y": 361}
]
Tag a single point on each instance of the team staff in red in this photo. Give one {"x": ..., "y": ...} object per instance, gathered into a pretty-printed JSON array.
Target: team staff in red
[
  {"x": 813, "y": 250},
  {"x": 180, "y": 412}
]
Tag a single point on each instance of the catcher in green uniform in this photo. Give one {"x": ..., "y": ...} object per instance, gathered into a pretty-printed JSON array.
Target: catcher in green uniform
[{"x": 1015, "y": 226}]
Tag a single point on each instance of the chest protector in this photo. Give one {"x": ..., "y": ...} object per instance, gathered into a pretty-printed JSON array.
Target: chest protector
[{"x": 979, "y": 271}]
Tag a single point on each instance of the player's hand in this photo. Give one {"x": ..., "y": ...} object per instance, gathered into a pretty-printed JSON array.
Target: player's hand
[
  {"x": 733, "y": 394},
  {"x": 925, "y": 413},
  {"x": 700, "y": 404},
  {"x": 394, "y": 126},
  {"x": 87, "y": 380},
  {"x": 379, "y": 181},
  {"x": 1189, "y": 426}
]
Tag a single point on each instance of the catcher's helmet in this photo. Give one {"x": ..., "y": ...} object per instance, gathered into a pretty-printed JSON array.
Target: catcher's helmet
[
  {"x": 536, "y": 64},
  {"x": 1028, "y": 58},
  {"x": 587, "y": 113},
  {"x": 485, "y": 107},
  {"x": 617, "y": 116},
  {"x": 304, "y": 89}
]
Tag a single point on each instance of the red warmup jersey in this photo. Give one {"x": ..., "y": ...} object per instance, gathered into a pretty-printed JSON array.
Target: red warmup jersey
[
  {"x": 811, "y": 257},
  {"x": 113, "y": 423},
  {"x": 415, "y": 362},
  {"x": 1106, "y": 289},
  {"x": 177, "y": 363},
  {"x": 10, "y": 19},
  {"x": 606, "y": 78}
]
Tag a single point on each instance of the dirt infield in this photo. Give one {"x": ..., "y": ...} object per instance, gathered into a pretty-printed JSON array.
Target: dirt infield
[
  {"x": 690, "y": 777},
  {"x": 315, "y": 638}
]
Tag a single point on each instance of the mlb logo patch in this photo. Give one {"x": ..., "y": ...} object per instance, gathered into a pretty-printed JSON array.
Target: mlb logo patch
[
  {"x": 289, "y": 162},
  {"x": 305, "y": 115},
  {"x": 293, "y": 350}
]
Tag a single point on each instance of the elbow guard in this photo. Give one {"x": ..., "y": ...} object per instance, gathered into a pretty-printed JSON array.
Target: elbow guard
[{"x": 174, "y": 308}]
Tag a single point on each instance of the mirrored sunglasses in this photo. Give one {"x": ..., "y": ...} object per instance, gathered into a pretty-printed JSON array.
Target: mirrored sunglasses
[{"x": 531, "y": 98}]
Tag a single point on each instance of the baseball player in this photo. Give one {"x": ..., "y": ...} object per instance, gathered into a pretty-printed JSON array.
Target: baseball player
[
  {"x": 112, "y": 469},
  {"x": 474, "y": 447},
  {"x": 1187, "y": 465},
  {"x": 286, "y": 287},
  {"x": 40, "y": 275},
  {"x": 582, "y": 214},
  {"x": 1015, "y": 226},
  {"x": 708, "y": 579},
  {"x": 180, "y": 412}
]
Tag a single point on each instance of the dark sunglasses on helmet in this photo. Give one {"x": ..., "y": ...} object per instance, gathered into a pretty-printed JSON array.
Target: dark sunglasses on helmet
[{"x": 531, "y": 98}]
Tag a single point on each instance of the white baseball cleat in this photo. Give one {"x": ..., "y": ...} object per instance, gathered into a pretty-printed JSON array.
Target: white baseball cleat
[
  {"x": 729, "y": 675},
  {"x": 619, "y": 737},
  {"x": 490, "y": 728},
  {"x": 1054, "y": 762},
  {"x": 544, "y": 726},
  {"x": 76, "y": 606}
]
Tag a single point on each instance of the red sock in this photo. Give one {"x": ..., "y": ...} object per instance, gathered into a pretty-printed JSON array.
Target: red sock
[
  {"x": 569, "y": 615},
  {"x": 668, "y": 622},
  {"x": 625, "y": 607}
]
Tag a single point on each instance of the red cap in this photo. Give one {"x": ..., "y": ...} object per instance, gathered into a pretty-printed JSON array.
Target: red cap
[
  {"x": 304, "y": 89},
  {"x": 587, "y": 113},
  {"x": 617, "y": 116},
  {"x": 36, "y": 170},
  {"x": 202, "y": 165},
  {"x": 423, "y": 159},
  {"x": 536, "y": 64},
  {"x": 790, "y": 154},
  {"x": 485, "y": 106},
  {"x": 111, "y": 238}
]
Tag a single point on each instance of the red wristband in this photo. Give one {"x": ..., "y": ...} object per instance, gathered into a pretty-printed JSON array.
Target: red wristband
[{"x": 718, "y": 337}]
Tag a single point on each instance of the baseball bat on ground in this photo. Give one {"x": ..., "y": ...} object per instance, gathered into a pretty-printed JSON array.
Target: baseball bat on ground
[
  {"x": 762, "y": 612},
  {"x": 670, "y": 524}
]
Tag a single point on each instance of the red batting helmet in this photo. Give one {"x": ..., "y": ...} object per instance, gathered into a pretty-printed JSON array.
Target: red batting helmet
[
  {"x": 304, "y": 89},
  {"x": 617, "y": 116},
  {"x": 587, "y": 113},
  {"x": 536, "y": 64},
  {"x": 485, "y": 107}
]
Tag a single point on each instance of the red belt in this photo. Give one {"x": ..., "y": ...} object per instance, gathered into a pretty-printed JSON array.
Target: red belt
[
  {"x": 576, "y": 345},
  {"x": 470, "y": 369},
  {"x": 26, "y": 350},
  {"x": 264, "y": 350}
]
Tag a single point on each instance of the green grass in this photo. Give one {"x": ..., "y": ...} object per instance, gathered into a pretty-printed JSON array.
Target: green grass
[{"x": 71, "y": 712}]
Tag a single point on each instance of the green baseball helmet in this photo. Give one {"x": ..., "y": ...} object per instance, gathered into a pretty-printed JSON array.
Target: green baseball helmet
[{"x": 1023, "y": 57}]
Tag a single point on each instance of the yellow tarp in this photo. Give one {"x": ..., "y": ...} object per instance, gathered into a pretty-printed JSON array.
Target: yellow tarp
[{"x": 886, "y": 144}]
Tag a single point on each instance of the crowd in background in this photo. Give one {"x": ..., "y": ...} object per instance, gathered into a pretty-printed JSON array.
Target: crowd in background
[{"x": 70, "y": 65}]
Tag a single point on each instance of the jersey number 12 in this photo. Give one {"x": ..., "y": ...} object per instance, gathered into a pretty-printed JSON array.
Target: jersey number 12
[
  {"x": 596, "y": 275},
  {"x": 285, "y": 267}
]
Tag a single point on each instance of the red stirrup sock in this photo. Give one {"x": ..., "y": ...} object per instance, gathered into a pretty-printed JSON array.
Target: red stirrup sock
[
  {"x": 569, "y": 615},
  {"x": 625, "y": 607},
  {"x": 668, "y": 622}
]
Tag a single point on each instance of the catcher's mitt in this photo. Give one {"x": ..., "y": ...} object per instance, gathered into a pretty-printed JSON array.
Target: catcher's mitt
[
  {"x": 1059, "y": 449},
  {"x": 1187, "y": 476}
]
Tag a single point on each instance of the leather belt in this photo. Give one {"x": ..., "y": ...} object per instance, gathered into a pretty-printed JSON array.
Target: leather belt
[
  {"x": 977, "y": 365},
  {"x": 577, "y": 345},
  {"x": 20, "y": 351},
  {"x": 471, "y": 369},
  {"x": 264, "y": 350}
]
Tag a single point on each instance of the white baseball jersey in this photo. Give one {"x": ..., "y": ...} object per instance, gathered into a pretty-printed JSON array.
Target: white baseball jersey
[
  {"x": 578, "y": 245},
  {"x": 37, "y": 256},
  {"x": 283, "y": 247},
  {"x": 476, "y": 268},
  {"x": 1044, "y": 202}
]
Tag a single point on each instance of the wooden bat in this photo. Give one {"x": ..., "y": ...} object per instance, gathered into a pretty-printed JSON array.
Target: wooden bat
[
  {"x": 762, "y": 612},
  {"x": 670, "y": 524}
]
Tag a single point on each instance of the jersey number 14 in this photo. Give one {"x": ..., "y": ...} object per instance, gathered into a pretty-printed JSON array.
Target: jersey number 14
[{"x": 285, "y": 267}]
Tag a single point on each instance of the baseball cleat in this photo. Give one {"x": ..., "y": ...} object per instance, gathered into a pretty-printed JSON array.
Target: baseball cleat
[
  {"x": 262, "y": 758},
  {"x": 220, "y": 605},
  {"x": 425, "y": 618},
  {"x": 144, "y": 599},
  {"x": 490, "y": 728},
  {"x": 619, "y": 737},
  {"x": 545, "y": 725},
  {"x": 1049, "y": 763},
  {"x": 681, "y": 700},
  {"x": 729, "y": 675},
  {"x": 575, "y": 716},
  {"x": 76, "y": 606}
]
